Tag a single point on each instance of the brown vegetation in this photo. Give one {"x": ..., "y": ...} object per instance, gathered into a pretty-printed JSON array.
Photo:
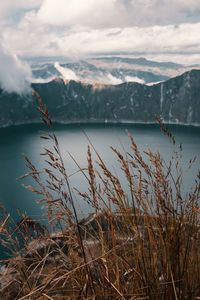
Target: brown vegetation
[{"x": 140, "y": 243}]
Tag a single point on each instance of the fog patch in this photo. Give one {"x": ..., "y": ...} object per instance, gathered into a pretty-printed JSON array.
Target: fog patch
[
  {"x": 134, "y": 79},
  {"x": 113, "y": 80},
  {"x": 66, "y": 73},
  {"x": 15, "y": 75}
]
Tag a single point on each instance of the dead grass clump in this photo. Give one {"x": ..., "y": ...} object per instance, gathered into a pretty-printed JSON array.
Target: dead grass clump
[{"x": 141, "y": 242}]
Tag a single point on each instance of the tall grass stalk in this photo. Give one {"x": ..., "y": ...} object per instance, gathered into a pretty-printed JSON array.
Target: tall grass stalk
[{"x": 141, "y": 242}]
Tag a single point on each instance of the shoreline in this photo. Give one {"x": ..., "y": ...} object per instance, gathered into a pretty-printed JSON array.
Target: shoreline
[{"x": 103, "y": 122}]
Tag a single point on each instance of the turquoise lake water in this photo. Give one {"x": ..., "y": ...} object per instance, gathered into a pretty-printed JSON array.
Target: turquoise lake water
[{"x": 26, "y": 139}]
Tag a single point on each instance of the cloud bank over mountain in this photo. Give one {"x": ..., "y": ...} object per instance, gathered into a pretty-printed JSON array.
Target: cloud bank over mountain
[
  {"x": 80, "y": 27},
  {"x": 118, "y": 13},
  {"x": 166, "y": 30},
  {"x": 15, "y": 76}
]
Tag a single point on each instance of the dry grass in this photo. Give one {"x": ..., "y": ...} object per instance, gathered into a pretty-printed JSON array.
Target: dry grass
[{"x": 142, "y": 242}]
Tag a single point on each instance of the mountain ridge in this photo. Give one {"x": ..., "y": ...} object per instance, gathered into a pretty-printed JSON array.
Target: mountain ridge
[{"x": 176, "y": 100}]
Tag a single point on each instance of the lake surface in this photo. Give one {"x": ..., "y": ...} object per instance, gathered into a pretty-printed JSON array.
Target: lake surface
[{"x": 26, "y": 139}]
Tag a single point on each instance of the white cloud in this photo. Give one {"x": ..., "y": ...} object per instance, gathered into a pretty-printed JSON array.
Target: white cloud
[
  {"x": 32, "y": 38},
  {"x": 180, "y": 58},
  {"x": 79, "y": 27},
  {"x": 164, "y": 30},
  {"x": 112, "y": 79},
  {"x": 134, "y": 79},
  {"x": 95, "y": 13},
  {"x": 112, "y": 13},
  {"x": 134, "y": 39},
  {"x": 7, "y": 7},
  {"x": 157, "y": 12},
  {"x": 65, "y": 72},
  {"x": 12, "y": 11},
  {"x": 14, "y": 75}
]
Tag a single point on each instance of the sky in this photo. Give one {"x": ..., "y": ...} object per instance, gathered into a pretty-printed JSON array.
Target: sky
[{"x": 164, "y": 30}]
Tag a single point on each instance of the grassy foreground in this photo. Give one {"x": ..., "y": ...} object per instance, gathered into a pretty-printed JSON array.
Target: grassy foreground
[{"x": 141, "y": 242}]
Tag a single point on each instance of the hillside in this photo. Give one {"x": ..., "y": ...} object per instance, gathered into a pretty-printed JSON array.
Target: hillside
[{"x": 176, "y": 100}]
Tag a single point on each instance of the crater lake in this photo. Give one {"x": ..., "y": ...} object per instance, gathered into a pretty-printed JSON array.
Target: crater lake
[{"x": 16, "y": 140}]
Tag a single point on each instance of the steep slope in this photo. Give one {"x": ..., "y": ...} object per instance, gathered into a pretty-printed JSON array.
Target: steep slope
[{"x": 176, "y": 100}]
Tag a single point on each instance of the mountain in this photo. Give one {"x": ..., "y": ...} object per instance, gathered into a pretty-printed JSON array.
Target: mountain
[
  {"x": 45, "y": 71},
  {"x": 176, "y": 100},
  {"x": 140, "y": 61},
  {"x": 95, "y": 71},
  {"x": 106, "y": 70},
  {"x": 164, "y": 70}
]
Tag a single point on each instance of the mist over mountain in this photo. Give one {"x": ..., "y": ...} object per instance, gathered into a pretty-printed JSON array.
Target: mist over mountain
[
  {"x": 15, "y": 75},
  {"x": 107, "y": 70},
  {"x": 176, "y": 100}
]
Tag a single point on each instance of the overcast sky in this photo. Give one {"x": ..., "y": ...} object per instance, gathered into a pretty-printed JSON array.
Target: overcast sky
[
  {"x": 164, "y": 29},
  {"x": 75, "y": 28}
]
